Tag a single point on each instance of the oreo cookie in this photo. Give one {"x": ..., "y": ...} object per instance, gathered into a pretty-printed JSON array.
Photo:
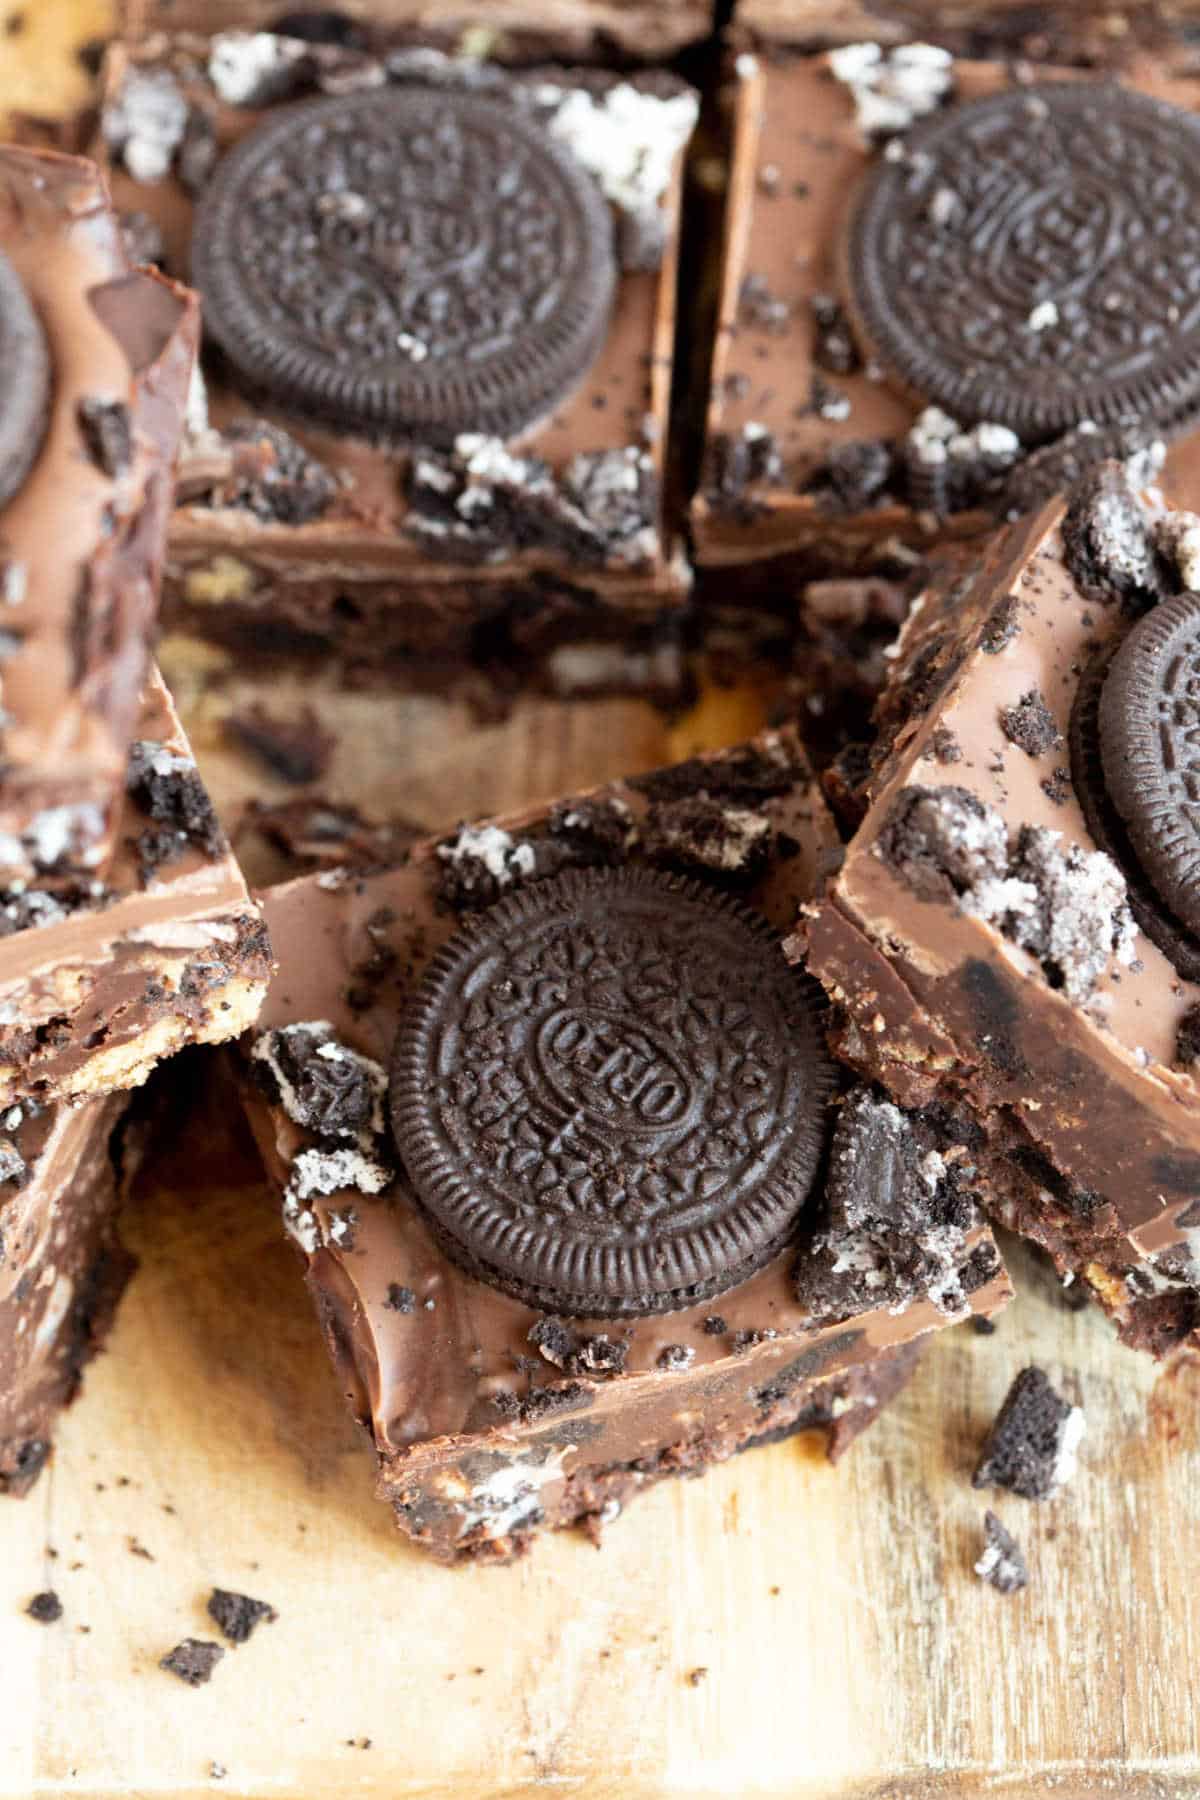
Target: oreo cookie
[
  {"x": 610, "y": 1094},
  {"x": 24, "y": 382},
  {"x": 406, "y": 265},
  {"x": 1107, "y": 827},
  {"x": 1149, "y": 719},
  {"x": 1052, "y": 290}
]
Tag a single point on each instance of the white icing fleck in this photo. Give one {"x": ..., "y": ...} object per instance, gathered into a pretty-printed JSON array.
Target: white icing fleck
[
  {"x": 145, "y": 122},
  {"x": 415, "y": 348},
  {"x": 317, "y": 1171},
  {"x": 629, "y": 140},
  {"x": 891, "y": 91},
  {"x": 300, "y": 1223},
  {"x": 14, "y": 582},
  {"x": 943, "y": 204},
  {"x": 510, "y": 1497},
  {"x": 1065, "y": 1462},
  {"x": 248, "y": 67},
  {"x": 63, "y": 830},
  {"x": 1042, "y": 317},
  {"x": 494, "y": 848}
]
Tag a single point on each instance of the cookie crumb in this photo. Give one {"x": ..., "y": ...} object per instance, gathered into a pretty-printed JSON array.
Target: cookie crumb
[
  {"x": 192, "y": 1660},
  {"x": 694, "y": 1677},
  {"x": 1032, "y": 1445},
  {"x": 1001, "y": 1565},
  {"x": 46, "y": 1608},
  {"x": 237, "y": 1614},
  {"x": 1030, "y": 725}
]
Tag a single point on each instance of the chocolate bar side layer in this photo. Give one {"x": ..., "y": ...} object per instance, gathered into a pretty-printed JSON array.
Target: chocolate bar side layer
[
  {"x": 98, "y": 983},
  {"x": 1067, "y": 31},
  {"x": 484, "y": 1433},
  {"x": 1066, "y": 1049},
  {"x": 62, "y": 1270},
  {"x": 81, "y": 542},
  {"x": 513, "y": 30}
]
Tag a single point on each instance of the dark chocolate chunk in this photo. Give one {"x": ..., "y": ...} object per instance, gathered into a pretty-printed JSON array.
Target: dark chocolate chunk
[
  {"x": 1029, "y": 724},
  {"x": 46, "y": 1608},
  {"x": 1149, "y": 728},
  {"x": 1001, "y": 1564},
  {"x": 1030, "y": 1449},
  {"x": 193, "y": 1660},
  {"x": 24, "y": 382},
  {"x": 406, "y": 264},
  {"x": 1108, "y": 828},
  {"x": 1016, "y": 308},
  {"x": 610, "y": 1094},
  {"x": 237, "y": 1614},
  {"x": 107, "y": 431},
  {"x": 900, "y": 1208}
]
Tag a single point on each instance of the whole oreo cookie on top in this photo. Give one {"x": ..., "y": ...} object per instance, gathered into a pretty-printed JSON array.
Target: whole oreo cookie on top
[
  {"x": 1033, "y": 259},
  {"x": 407, "y": 265},
  {"x": 610, "y": 1094},
  {"x": 1108, "y": 828},
  {"x": 24, "y": 382},
  {"x": 1150, "y": 745}
]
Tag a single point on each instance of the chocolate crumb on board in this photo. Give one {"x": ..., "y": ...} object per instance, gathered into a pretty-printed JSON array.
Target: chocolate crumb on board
[
  {"x": 696, "y": 1676},
  {"x": 1031, "y": 1447},
  {"x": 1002, "y": 1564},
  {"x": 46, "y": 1608},
  {"x": 192, "y": 1660},
  {"x": 237, "y": 1614}
]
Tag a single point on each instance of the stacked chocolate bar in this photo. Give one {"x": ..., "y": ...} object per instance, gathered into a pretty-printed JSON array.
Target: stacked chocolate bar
[{"x": 126, "y": 930}]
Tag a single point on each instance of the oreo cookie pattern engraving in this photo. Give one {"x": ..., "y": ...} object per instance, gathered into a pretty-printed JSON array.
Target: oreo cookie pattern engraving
[
  {"x": 1150, "y": 744},
  {"x": 1033, "y": 259},
  {"x": 405, "y": 264},
  {"x": 1107, "y": 827},
  {"x": 24, "y": 382},
  {"x": 610, "y": 1094}
]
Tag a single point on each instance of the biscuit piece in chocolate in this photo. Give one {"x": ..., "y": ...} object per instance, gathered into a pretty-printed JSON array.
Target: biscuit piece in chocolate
[
  {"x": 1031, "y": 1447},
  {"x": 24, "y": 381},
  {"x": 406, "y": 264},
  {"x": 1001, "y": 1564},
  {"x": 1149, "y": 720},
  {"x": 606, "y": 1097}
]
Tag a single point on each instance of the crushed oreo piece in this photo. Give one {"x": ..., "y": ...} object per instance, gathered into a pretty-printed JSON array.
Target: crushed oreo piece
[
  {"x": 715, "y": 1325},
  {"x": 479, "y": 863},
  {"x": 949, "y": 469},
  {"x": 1030, "y": 725},
  {"x": 900, "y": 1204},
  {"x": 578, "y": 1353},
  {"x": 46, "y": 1608},
  {"x": 13, "y": 1167},
  {"x": 945, "y": 746},
  {"x": 296, "y": 750},
  {"x": 705, "y": 833},
  {"x": 759, "y": 307},
  {"x": 1057, "y": 786},
  {"x": 238, "y": 1615},
  {"x": 1031, "y": 1447},
  {"x": 145, "y": 121},
  {"x": 107, "y": 430},
  {"x": 1057, "y": 467},
  {"x": 1109, "y": 543},
  {"x": 1001, "y": 626},
  {"x": 738, "y": 462},
  {"x": 893, "y": 88},
  {"x": 193, "y": 1661},
  {"x": 1001, "y": 1564},
  {"x": 1069, "y": 908},
  {"x": 283, "y": 484},
  {"x": 676, "y": 1357},
  {"x": 834, "y": 348},
  {"x": 168, "y": 789},
  {"x": 853, "y": 476},
  {"x": 400, "y": 1299},
  {"x": 321, "y": 1084}
]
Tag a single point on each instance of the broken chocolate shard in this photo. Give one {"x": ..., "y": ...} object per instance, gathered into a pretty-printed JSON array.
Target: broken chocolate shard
[
  {"x": 192, "y": 1660},
  {"x": 237, "y": 1614}
]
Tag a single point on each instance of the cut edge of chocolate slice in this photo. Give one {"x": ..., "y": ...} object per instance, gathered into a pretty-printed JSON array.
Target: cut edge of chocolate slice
[
  {"x": 1143, "y": 731},
  {"x": 24, "y": 382},
  {"x": 1160, "y": 392},
  {"x": 422, "y": 391},
  {"x": 576, "y": 1066},
  {"x": 1108, "y": 828}
]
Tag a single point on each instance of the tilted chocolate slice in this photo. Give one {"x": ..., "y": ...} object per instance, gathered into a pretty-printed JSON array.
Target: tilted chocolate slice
[
  {"x": 993, "y": 934},
  {"x": 609, "y": 1091}
]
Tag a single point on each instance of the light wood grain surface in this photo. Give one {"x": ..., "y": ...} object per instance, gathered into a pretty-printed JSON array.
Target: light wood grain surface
[{"x": 846, "y": 1647}]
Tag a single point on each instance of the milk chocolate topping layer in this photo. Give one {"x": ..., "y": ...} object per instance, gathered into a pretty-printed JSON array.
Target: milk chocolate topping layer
[
  {"x": 609, "y": 1096},
  {"x": 81, "y": 541}
]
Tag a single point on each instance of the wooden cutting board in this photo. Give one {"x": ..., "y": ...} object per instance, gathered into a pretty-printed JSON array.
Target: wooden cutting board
[{"x": 780, "y": 1628}]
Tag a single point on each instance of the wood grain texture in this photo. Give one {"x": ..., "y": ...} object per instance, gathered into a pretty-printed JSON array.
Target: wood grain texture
[{"x": 848, "y": 1651}]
